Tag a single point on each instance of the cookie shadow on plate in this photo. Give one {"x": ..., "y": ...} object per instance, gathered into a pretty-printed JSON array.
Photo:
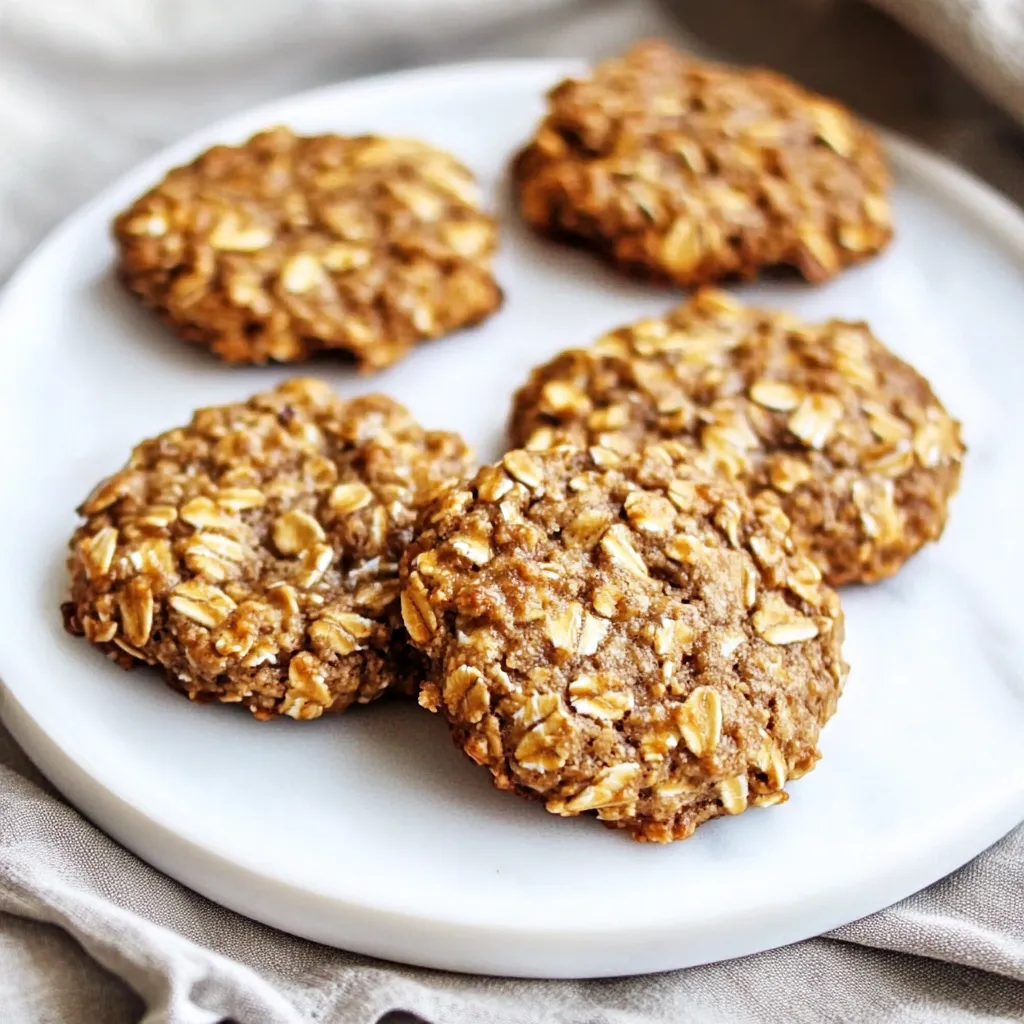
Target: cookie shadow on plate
[
  {"x": 135, "y": 332},
  {"x": 548, "y": 258},
  {"x": 563, "y": 259}
]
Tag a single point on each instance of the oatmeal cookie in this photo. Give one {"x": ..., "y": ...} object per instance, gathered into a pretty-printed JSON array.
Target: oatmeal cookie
[
  {"x": 623, "y": 634},
  {"x": 679, "y": 170},
  {"x": 852, "y": 440},
  {"x": 253, "y": 555},
  {"x": 285, "y": 246}
]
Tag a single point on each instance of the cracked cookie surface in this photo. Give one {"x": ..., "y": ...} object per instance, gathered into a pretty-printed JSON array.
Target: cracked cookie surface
[
  {"x": 684, "y": 171},
  {"x": 286, "y": 246},
  {"x": 852, "y": 440},
  {"x": 626, "y": 635},
  {"x": 253, "y": 554}
]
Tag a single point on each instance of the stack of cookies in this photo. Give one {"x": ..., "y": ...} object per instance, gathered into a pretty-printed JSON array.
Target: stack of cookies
[{"x": 632, "y": 612}]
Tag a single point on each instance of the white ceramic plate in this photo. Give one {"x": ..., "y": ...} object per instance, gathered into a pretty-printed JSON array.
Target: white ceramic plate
[{"x": 371, "y": 831}]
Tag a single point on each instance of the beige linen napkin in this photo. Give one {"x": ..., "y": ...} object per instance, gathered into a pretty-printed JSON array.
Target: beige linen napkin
[
  {"x": 984, "y": 38},
  {"x": 88, "y": 933}
]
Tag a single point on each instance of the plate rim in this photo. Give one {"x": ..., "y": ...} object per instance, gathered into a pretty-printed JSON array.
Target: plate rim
[{"x": 1000, "y": 217}]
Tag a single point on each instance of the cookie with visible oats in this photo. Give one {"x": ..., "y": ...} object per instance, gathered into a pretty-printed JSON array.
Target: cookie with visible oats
[
  {"x": 848, "y": 438},
  {"x": 253, "y": 554},
  {"x": 679, "y": 170},
  {"x": 285, "y": 246},
  {"x": 624, "y": 635}
]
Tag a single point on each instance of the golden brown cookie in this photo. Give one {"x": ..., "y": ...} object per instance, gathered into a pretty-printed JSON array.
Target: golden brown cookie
[
  {"x": 626, "y": 635},
  {"x": 253, "y": 554},
  {"x": 679, "y": 170},
  {"x": 849, "y": 438},
  {"x": 285, "y": 246}
]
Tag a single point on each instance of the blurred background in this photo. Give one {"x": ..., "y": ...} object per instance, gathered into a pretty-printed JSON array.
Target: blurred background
[{"x": 89, "y": 89}]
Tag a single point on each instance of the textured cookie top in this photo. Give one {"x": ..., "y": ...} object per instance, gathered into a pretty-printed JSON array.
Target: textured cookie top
[
  {"x": 682, "y": 170},
  {"x": 254, "y": 553},
  {"x": 626, "y": 635},
  {"x": 284, "y": 246},
  {"x": 850, "y": 438}
]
